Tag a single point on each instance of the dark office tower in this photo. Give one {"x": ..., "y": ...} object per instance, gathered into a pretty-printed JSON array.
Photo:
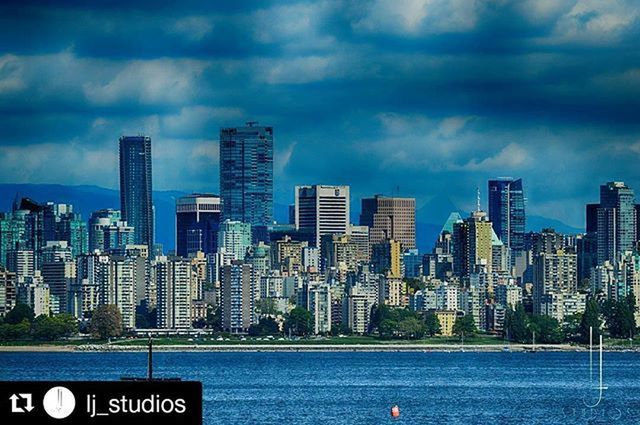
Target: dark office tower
[
  {"x": 616, "y": 226},
  {"x": 592, "y": 218},
  {"x": 246, "y": 174},
  {"x": 197, "y": 224},
  {"x": 135, "y": 187},
  {"x": 506, "y": 212}
]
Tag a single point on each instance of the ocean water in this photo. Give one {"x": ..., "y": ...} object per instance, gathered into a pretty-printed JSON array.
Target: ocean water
[{"x": 360, "y": 388}]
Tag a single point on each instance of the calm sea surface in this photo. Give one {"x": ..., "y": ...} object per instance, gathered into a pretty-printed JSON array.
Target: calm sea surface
[{"x": 345, "y": 388}]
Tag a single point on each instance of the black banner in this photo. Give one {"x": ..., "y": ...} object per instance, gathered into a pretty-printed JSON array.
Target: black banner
[{"x": 104, "y": 402}]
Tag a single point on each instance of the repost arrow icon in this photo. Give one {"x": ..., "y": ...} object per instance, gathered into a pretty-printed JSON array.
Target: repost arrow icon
[{"x": 14, "y": 403}]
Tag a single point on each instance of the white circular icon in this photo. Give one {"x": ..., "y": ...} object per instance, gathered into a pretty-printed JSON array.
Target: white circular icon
[{"x": 59, "y": 402}]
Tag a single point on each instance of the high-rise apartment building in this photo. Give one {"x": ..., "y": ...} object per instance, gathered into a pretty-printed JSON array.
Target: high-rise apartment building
[
  {"x": 390, "y": 218},
  {"x": 357, "y": 309},
  {"x": 323, "y": 210},
  {"x": 197, "y": 224},
  {"x": 286, "y": 255},
  {"x": 553, "y": 273},
  {"x": 136, "y": 187},
  {"x": 8, "y": 284},
  {"x": 507, "y": 212},
  {"x": 173, "y": 282},
  {"x": 60, "y": 276},
  {"x": 71, "y": 228},
  {"x": 12, "y": 234},
  {"x": 119, "y": 288},
  {"x": 236, "y": 290},
  {"x": 386, "y": 258},
  {"x": 339, "y": 252},
  {"x": 234, "y": 237},
  {"x": 33, "y": 292},
  {"x": 616, "y": 221},
  {"x": 246, "y": 174},
  {"x": 21, "y": 262},
  {"x": 360, "y": 236},
  {"x": 472, "y": 244},
  {"x": 319, "y": 305},
  {"x": 92, "y": 278}
]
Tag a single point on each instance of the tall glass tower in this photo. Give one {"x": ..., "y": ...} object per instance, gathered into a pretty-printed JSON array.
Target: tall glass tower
[
  {"x": 506, "y": 211},
  {"x": 246, "y": 174},
  {"x": 616, "y": 221},
  {"x": 135, "y": 187}
]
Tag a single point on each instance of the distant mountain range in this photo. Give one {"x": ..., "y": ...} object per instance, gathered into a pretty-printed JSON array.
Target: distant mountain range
[{"x": 85, "y": 199}]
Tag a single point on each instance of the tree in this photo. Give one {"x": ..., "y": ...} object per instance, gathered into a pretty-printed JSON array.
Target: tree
[
  {"x": 621, "y": 317},
  {"x": 464, "y": 325},
  {"x": 411, "y": 328},
  {"x": 387, "y": 328},
  {"x": 214, "y": 318},
  {"x": 571, "y": 327},
  {"x": 631, "y": 315},
  {"x": 298, "y": 322},
  {"x": 378, "y": 313},
  {"x": 547, "y": 329},
  {"x": 68, "y": 324},
  {"x": 106, "y": 322},
  {"x": 266, "y": 326},
  {"x": 432, "y": 324},
  {"x": 15, "y": 332},
  {"x": 145, "y": 318},
  {"x": 516, "y": 324},
  {"x": 47, "y": 328},
  {"x": 590, "y": 319},
  {"x": 341, "y": 329},
  {"x": 19, "y": 313}
]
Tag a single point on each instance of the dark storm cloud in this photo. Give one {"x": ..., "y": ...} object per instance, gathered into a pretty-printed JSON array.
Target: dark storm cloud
[{"x": 429, "y": 95}]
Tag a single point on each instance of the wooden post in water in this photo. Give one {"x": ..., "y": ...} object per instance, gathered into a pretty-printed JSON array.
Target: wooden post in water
[{"x": 150, "y": 361}]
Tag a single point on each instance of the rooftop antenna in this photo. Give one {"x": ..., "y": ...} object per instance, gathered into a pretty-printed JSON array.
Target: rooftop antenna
[{"x": 477, "y": 199}]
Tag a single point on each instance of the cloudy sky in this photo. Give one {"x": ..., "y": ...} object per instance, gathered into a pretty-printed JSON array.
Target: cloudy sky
[{"x": 432, "y": 96}]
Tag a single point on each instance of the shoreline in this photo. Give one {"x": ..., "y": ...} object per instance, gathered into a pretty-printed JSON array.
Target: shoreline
[{"x": 517, "y": 348}]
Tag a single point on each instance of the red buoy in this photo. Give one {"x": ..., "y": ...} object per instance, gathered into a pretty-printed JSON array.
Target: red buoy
[{"x": 395, "y": 411}]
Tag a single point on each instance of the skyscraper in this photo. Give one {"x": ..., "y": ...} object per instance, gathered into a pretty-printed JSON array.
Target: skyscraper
[
  {"x": 173, "y": 277},
  {"x": 236, "y": 290},
  {"x": 234, "y": 237},
  {"x": 472, "y": 241},
  {"x": 507, "y": 213},
  {"x": 616, "y": 221},
  {"x": 197, "y": 224},
  {"x": 107, "y": 231},
  {"x": 136, "y": 187},
  {"x": 553, "y": 273},
  {"x": 8, "y": 281},
  {"x": 60, "y": 276},
  {"x": 390, "y": 218},
  {"x": 323, "y": 210},
  {"x": 246, "y": 174}
]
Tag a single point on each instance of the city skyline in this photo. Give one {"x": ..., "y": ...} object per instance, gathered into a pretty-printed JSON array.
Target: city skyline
[
  {"x": 278, "y": 199},
  {"x": 434, "y": 97}
]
